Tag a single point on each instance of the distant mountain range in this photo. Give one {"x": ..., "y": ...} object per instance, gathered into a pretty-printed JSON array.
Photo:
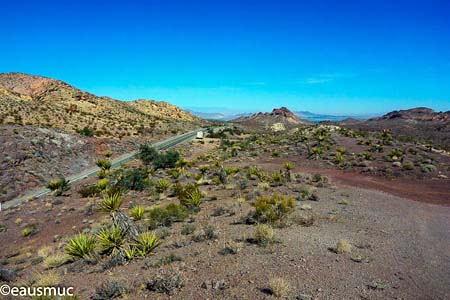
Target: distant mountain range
[{"x": 304, "y": 115}]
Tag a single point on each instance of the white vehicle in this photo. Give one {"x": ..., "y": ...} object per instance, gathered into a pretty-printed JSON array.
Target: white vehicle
[{"x": 199, "y": 135}]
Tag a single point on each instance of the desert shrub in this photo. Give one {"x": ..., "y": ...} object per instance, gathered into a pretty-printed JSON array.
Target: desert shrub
[
  {"x": 59, "y": 186},
  {"x": 162, "y": 185},
  {"x": 343, "y": 246},
  {"x": 427, "y": 168},
  {"x": 319, "y": 179},
  {"x": 339, "y": 158},
  {"x": 81, "y": 246},
  {"x": 208, "y": 232},
  {"x": 341, "y": 150},
  {"x": 273, "y": 209},
  {"x": 263, "y": 234},
  {"x": 165, "y": 283},
  {"x": 103, "y": 163},
  {"x": 304, "y": 193},
  {"x": 90, "y": 190},
  {"x": 165, "y": 216},
  {"x": 408, "y": 165},
  {"x": 3, "y": 228},
  {"x": 147, "y": 153},
  {"x": 86, "y": 131},
  {"x": 166, "y": 160},
  {"x": 137, "y": 212},
  {"x": 181, "y": 165},
  {"x": 168, "y": 259},
  {"x": 231, "y": 170},
  {"x": 277, "y": 179},
  {"x": 395, "y": 154},
  {"x": 231, "y": 248},
  {"x": 111, "y": 203},
  {"x": 29, "y": 230},
  {"x": 145, "y": 243},
  {"x": 278, "y": 287},
  {"x": 367, "y": 155},
  {"x": 111, "y": 290},
  {"x": 187, "y": 229},
  {"x": 131, "y": 179},
  {"x": 111, "y": 239}
]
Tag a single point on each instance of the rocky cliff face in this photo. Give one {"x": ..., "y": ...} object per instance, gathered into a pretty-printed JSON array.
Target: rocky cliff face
[{"x": 40, "y": 101}]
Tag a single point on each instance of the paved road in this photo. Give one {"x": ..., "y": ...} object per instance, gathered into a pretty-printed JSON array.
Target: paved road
[{"x": 163, "y": 145}]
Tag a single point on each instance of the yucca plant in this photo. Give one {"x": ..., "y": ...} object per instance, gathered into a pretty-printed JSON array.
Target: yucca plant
[
  {"x": 137, "y": 212},
  {"x": 81, "y": 246},
  {"x": 288, "y": 165},
  {"x": 110, "y": 239},
  {"x": 130, "y": 252},
  {"x": 59, "y": 186},
  {"x": 145, "y": 243},
  {"x": 162, "y": 185},
  {"x": 103, "y": 163},
  {"x": 316, "y": 153},
  {"x": 102, "y": 184},
  {"x": 181, "y": 165},
  {"x": 111, "y": 203},
  {"x": 193, "y": 200}
]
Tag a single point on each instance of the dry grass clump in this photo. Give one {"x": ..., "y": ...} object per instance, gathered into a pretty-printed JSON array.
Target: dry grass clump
[
  {"x": 55, "y": 260},
  {"x": 343, "y": 246},
  {"x": 263, "y": 234},
  {"x": 278, "y": 287}
]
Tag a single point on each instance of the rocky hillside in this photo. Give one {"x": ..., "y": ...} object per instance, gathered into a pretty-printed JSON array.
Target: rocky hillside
[
  {"x": 277, "y": 120},
  {"x": 414, "y": 124},
  {"x": 32, "y": 156},
  {"x": 40, "y": 101}
]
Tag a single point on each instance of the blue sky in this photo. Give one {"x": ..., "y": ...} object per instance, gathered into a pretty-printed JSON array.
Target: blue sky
[{"x": 336, "y": 57}]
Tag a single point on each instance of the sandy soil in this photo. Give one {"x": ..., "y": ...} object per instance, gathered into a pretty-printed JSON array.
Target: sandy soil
[{"x": 403, "y": 245}]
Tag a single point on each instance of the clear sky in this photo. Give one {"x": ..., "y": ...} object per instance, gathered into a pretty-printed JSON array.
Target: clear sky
[{"x": 336, "y": 57}]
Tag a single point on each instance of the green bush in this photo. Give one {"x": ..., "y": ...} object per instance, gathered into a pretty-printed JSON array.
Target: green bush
[
  {"x": 86, "y": 131},
  {"x": 89, "y": 190},
  {"x": 165, "y": 216},
  {"x": 103, "y": 163},
  {"x": 131, "y": 179},
  {"x": 166, "y": 160},
  {"x": 147, "y": 153}
]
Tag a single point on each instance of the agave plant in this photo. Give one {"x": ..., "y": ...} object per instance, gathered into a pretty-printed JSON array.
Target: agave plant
[
  {"x": 162, "y": 185},
  {"x": 111, "y": 203},
  {"x": 111, "y": 239},
  {"x": 193, "y": 199},
  {"x": 137, "y": 212},
  {"x": 145, "y": 243},
  {"x": 81, "y": 246}
]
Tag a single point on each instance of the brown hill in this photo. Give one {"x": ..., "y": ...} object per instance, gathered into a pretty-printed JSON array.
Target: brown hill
[
  {"x": 417, "y": 124},
  {"x": 40, "y": 101},
  {"x": 279, "y": 119}
]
